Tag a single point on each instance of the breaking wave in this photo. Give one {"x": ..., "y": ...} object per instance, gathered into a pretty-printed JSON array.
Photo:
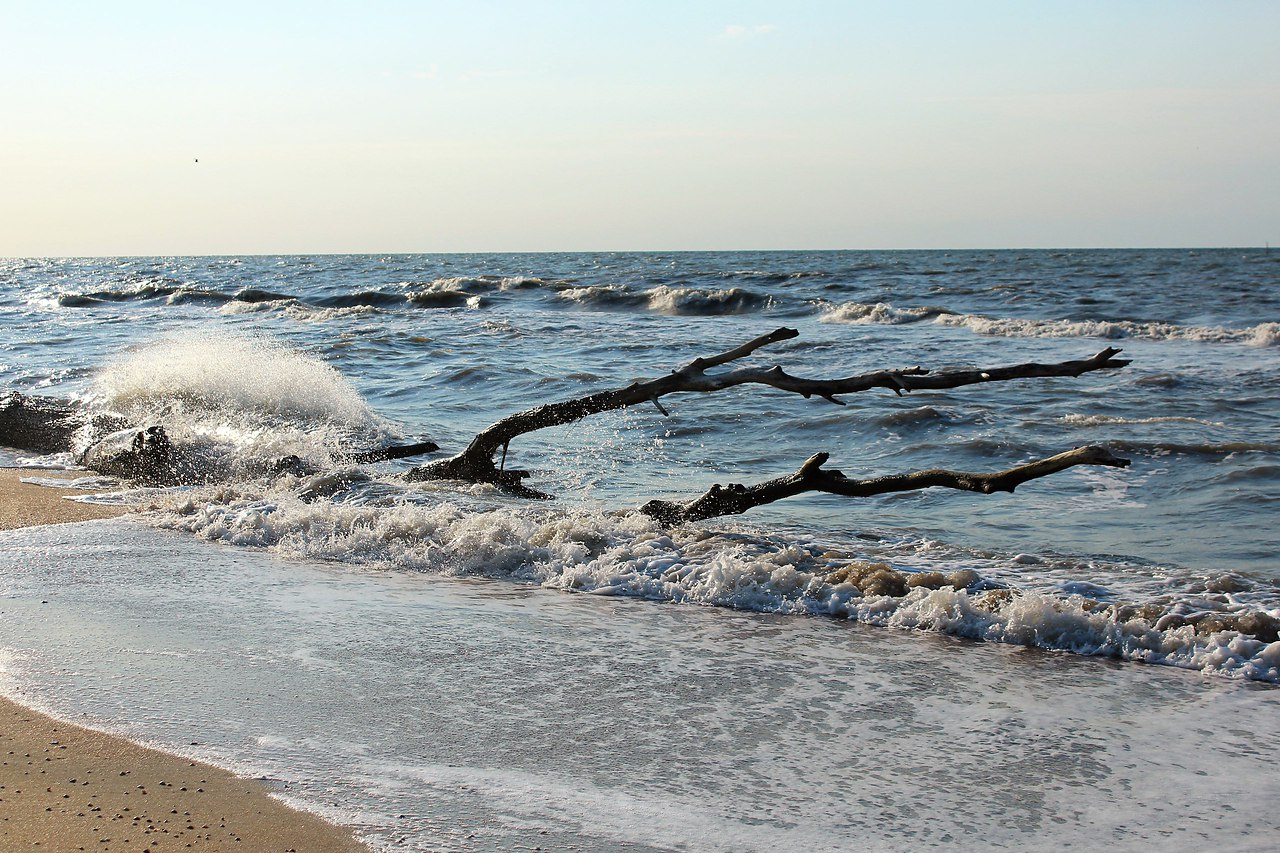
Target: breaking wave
[
  {"x": 229, "y": 372},
  {"x": 767, "y": 292},
  {"x": 231, "y": 395},
  {"x": 880, "y": 313},
  {"x": 1262, "y": 335},
  {"x": 664, "y": 299},
  {"x": 1110, "y": 420},
  {"x": 1213, "y": 626}
]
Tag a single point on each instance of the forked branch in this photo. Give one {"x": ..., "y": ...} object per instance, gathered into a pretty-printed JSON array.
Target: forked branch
[
  {"x": 475, "y": 463},
  {"x": 812, "y": 477}
]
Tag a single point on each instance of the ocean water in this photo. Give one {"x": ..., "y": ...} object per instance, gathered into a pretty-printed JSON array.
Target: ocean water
[{"x": 585, "y": 614}]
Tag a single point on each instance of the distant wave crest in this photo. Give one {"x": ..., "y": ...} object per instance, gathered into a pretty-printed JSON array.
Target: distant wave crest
[
  {"x": 665, "y": 299},
  {"x": 1107, "y": 420},
  {"x": 880, "y": 313},
  {"x": 1265, "y": 334}
]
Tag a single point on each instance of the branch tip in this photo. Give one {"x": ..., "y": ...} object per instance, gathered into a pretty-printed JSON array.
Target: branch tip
[{"x": 814, "y": 463}]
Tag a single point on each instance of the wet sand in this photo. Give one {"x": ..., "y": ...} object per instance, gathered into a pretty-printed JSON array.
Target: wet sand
[
  {"x": 65, "y": 788},
  {"x": 25, "y": 505}
]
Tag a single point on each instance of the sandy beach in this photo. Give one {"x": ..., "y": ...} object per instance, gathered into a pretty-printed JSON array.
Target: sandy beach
[
  {"x": 66, "y": 788},
  {"x": 26, "y": 505}
]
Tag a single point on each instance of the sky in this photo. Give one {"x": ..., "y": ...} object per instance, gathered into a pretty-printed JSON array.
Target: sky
[{"x": 174, "y": 128}]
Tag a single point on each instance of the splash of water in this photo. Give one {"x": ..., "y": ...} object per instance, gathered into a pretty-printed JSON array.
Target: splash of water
[{"x": 250, "y": 396}]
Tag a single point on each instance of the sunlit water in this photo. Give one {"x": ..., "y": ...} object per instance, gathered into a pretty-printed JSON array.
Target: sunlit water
[
  {"x": 482, "y": 715},
  {"x": 792, "y": 699}
]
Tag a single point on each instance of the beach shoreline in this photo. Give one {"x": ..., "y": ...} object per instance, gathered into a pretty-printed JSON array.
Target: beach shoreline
[
  {"x": 65, "y": 787},
  {"x": 28, "y": 505}
]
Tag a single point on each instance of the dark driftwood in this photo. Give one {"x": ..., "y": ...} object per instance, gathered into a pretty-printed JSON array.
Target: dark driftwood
[
  {"x": 812, "y": 477},
  {"x": 30, "y": 422},
  {"x": 394, "y": 451},
  {"x": 476, "y": 462}
]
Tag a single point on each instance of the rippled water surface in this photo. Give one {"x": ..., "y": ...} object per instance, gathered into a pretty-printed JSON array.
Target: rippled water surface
[
  {"x": 829, "y": 694},
  {"x": 259, "y": 357}
]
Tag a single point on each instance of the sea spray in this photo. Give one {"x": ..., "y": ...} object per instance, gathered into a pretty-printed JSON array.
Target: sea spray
[
  {"x": 228, "y": 373},
  {"x": 236, "y": 402}
]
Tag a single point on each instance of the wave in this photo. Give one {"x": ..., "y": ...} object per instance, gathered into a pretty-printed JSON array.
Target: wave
[
  {"x": 664, "y": 299},
  {"x": 1108, "y": 420},
  {"x": 311, "y": 314},
  {"x": 591, "y": 552},
  {"x": 684, "y": 301},
  {"x": 1261, "y": 335},
  {"x": 880, "y": 313},
  {"x": 361, "y": 299},
  {"x": 912, "y": 417},
  {"x": 253, "y": 295},
  {"x": 186, "y": 295},
  {"x": 250, "y": 396},
  {"x": 478, "y": 285},
  {"x": 604, "y": 296},
  {"x": 766, "y": 276},
  {"x": 173, "y": 292},
  {"x": 442, "y": 293},
  {"x": 1166, "y": 448}
]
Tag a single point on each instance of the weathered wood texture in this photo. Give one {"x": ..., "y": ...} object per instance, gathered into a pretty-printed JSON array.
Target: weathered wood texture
[
  {"x": 476, "y": 463},
  {"x": 812, "y": 477}
]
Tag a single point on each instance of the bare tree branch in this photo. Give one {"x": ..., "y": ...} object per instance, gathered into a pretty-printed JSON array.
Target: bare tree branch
[
  {"x": 475, "y": 463},
  {"x": 383, "y": 454},
  {"x": 812, "y": 477}
]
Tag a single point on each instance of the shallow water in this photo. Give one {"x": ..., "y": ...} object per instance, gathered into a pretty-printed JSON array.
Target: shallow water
[
  {"x": 479, "y": 714},
  {"x": 252, "y": 359},
  {"x": 717, "y": 686}
]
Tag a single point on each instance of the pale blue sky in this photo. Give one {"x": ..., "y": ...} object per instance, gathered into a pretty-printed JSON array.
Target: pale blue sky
[{"x": 504, "y": 126}]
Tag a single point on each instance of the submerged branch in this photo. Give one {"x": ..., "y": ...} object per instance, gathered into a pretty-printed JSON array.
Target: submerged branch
[
  {"x": 475, "y": 463},
  {"x": 812, "y": 477}
]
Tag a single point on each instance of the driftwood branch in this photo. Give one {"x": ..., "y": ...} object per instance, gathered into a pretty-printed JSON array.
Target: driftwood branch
[
  {"x": 475, "y": 463},
  {"x": 384, "y": 454},
  {"x": 812, "y": 477}
]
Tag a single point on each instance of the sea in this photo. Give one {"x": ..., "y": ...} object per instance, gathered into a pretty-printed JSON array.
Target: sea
[{"x": 444, "y": 666}]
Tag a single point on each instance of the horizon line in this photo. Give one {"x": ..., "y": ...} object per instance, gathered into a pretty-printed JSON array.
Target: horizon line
[{"x": 374, "y": 253}]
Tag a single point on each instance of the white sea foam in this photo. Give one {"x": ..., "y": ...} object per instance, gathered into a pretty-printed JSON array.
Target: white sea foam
[
  {"x": 228, "y": 373},
  {"x": 683, "y": 300},
  {"x": 665, "y": 299},
  {"x": 297, "y": 310},
  {"x": 231, "y": 395},
  {"x": 686, "y": 714},
  {"x": 1108, "y": 420},
  {"x": 880, "y": 313},
  {"x": 601, "y": 295},
  {"x": 236, "y": 306},
  {"x": 629, "y": 554},
  {"x": 311, "y": 314},
  {"x": 441, "y": 293},
  {"x": 1262, "y": 335},
  {"x": 94, "y": 482}
]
